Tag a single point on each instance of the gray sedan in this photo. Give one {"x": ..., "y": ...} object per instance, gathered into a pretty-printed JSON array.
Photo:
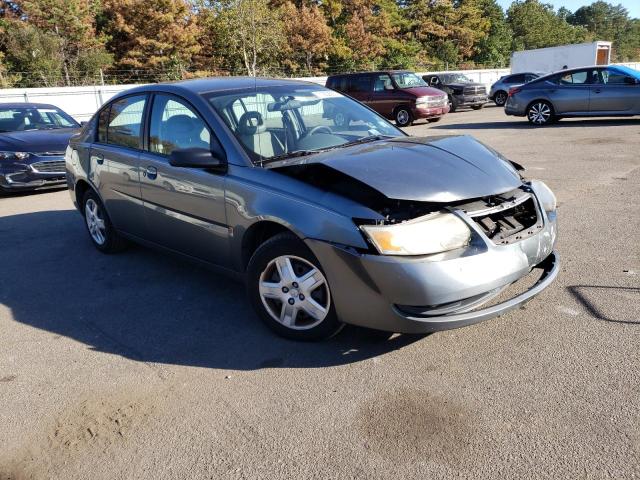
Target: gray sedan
[
  {"x": 325, "y": 224},
  {"x": 581, "y": 92}
]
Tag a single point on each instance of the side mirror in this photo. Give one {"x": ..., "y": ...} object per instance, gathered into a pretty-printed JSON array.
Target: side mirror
[{"x": 197, "y": 158}]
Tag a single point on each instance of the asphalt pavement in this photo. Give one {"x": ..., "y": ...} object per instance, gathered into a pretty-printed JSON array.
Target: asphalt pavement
[{"x": 143, "y": 366}]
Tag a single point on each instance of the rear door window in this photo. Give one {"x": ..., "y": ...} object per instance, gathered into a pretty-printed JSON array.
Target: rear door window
[
  {"x": 359, "y": 83},
  {"x": 580, "y": 77},
  {"x": 515, "y": 79},
  {"x": 125, "y": 121}
]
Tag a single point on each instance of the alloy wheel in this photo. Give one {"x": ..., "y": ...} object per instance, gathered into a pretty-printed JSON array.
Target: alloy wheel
[
  {"x": 95, "y": 222},
  {"x": 500, "y": 98},
  {"x": 403, "y": 117},
  {"x": 294, "y": 292},
  {"x": 539, "y": 113}
]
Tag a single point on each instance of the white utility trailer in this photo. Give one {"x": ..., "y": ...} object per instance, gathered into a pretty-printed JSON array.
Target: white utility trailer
[{"x": 552, "y": 59}]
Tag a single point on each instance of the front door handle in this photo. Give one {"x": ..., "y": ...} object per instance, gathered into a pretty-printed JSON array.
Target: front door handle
[
  {"x": 99, "y": 158},
  {"x": 597, "y": 90},
  {"x": 151, "y": 173}
]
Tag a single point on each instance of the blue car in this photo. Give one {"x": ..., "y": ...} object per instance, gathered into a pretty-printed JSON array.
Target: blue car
[{"x": 33, "y": 140}]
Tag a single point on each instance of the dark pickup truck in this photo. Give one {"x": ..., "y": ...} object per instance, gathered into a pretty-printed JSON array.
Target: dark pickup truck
[{"x": 462, "y": 91}]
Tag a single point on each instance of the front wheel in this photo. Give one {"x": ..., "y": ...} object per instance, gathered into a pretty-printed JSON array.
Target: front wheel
[
  {"x": 434, "y": 119},
  {"x": 500, "y": 98},
  {"x": 540, "y": 113},
  {"x": 404, "y": 118},
  {"x": 453, "y": 104},
  {"x": 289, "y": 290},
  {"x": 477, "y": 107}
]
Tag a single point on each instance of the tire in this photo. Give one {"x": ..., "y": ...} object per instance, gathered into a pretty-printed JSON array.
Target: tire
[
  {"x": 453, "y": 104},
  {"x": 282, "y": 300},
  {"x": 434, "y": 120},
  {"x": 477, "y": 107},
  {"x": 540, "y": 113},
  {"x": 101, "y": 232},
  {"x": 403, "y": 117},
  {"x": 500, "y": 98}
]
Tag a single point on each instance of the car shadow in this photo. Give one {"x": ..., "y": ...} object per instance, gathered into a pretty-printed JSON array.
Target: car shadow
[
  {"x": 587, "y": 296},
  {"x": 149, "y": 306},
  {"x": 524, "y": 124}
]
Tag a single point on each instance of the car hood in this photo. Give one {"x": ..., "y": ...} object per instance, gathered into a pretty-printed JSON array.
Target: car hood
[
  {"x": 427, "y": 169},
  {"x": 37, "y": 141},
  {"x": 462, "y": 85},
  {"x": 423, "y": 91}
]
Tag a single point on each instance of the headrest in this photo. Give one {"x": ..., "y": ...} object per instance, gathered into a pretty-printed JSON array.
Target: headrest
[
  {"x": 251, "y": 123},
  {"x": 180, "y": 125}
]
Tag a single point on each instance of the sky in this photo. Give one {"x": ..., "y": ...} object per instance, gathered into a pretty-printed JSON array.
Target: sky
[{"x": 632, "y": 5}]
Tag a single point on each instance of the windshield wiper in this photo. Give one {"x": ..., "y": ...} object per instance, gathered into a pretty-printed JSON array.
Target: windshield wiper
[
  {"x": 371, "y": 138},
  {"x": 284, "y": 156}
]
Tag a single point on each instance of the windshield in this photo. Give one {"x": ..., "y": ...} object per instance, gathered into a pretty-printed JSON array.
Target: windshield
[
  {"x": 627, "y": 71},
  {"x": 457, "y": 78},
  {"x": 17, "y": 119},
  {"x": 408, "y": 80},
  {"x": 274, "y": 123}
]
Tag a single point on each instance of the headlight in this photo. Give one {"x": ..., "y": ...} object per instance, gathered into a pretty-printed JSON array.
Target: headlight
[
  {"x": 13, "y": 155},
  {"x": 545, "y": 195},
  {"x": 422, "y": 100},
  {"x": 432, "y": 233}
]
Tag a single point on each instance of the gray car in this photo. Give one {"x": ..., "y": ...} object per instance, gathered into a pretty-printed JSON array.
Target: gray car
[
  {"x": 325, "y": 224},
  {"x": 580, "y": 92},
  {"x": 500, "y": 90}
]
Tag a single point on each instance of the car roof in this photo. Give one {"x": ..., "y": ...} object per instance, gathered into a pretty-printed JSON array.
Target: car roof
[
  {"x": 26, "y": 104},
  {"x": 216, "y": 84},
  {"x": 376, "y": 72}
]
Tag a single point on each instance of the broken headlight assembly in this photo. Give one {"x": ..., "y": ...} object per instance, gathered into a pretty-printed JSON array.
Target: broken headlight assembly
[
  {"x": 545, "y": 196},
  {"x": 433, "y": 233}
]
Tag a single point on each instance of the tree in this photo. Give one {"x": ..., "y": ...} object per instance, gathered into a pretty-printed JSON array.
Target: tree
[
  {"x": 495, "y": 47},
  {"x": 308, "y": 37},
  {"x": 72, "y": 23},
  {"x": 449, "y": 30},
  {"x": 253, "y": 30},
  {"x": 32, "y": 54},
  {"x": 536, "y": 25},
  {"x": 605, "y": 21},
  {"x": 156, "y": 36}
]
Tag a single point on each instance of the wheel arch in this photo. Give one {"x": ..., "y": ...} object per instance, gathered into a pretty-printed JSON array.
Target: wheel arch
[
  {"x": 541, "y": 99},
  {"x": 257, "y": 234}
]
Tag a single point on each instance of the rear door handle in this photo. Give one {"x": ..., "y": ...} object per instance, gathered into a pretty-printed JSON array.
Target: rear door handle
[{"x": 151, "y": 173}]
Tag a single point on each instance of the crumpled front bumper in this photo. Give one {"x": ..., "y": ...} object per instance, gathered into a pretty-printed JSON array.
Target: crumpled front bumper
[{"x": 386, "y": 292}]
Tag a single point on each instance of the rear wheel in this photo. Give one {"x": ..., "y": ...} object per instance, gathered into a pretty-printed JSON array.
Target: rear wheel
[
  {"x": 403, "y": 117},
  {"x": 103, "y": 236},
  {"x": 540, "y": 113},
  {"x": 500, "y": 98},
  {"x": 289, "y": 290}
]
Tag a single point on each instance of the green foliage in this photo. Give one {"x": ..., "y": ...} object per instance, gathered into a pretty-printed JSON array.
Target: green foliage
[
  {"x": 536, "y": 25},
  {"x": 65, "y": 42}
]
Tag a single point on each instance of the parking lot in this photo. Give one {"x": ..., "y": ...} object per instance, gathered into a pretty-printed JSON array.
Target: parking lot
[{"x": 142, "y": 366}]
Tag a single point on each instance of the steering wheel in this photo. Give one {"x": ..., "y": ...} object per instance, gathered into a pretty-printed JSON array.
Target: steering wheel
[{"x": 317, "y": 128}]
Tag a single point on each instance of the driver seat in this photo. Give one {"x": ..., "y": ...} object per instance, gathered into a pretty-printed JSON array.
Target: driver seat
[{"x": 254, "y": 135}]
